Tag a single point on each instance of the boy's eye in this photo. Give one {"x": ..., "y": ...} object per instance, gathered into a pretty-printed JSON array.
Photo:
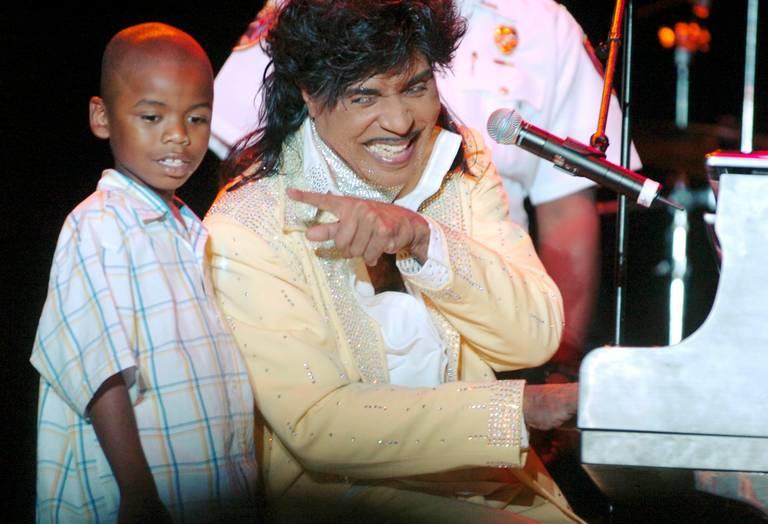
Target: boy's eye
[
  {"x": 150, "y": 118},
  {"x": 198, "y": 119}
]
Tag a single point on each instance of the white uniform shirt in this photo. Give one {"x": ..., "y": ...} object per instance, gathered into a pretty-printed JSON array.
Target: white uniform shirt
[{"x": 549, "y": 78}]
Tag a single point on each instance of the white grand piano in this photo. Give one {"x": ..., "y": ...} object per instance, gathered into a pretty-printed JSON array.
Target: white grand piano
[{"x": 696, "y": 413}]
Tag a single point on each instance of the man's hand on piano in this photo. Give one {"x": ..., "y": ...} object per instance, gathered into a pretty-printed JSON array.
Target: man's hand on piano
[{"x": 549, "y": 406}]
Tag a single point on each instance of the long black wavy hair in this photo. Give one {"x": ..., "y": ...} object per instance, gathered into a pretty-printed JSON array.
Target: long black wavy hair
[{"x": 325, "y": 46}]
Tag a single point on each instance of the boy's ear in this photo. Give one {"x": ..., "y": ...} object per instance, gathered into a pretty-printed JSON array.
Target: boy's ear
[{"x": 97, "y": 116}]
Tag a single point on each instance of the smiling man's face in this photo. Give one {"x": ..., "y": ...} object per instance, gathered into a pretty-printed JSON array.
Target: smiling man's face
[{"x": 382, "y": 126}]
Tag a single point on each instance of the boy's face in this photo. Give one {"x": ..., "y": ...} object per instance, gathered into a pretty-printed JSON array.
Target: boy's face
[{"x": 157, "y": 120}]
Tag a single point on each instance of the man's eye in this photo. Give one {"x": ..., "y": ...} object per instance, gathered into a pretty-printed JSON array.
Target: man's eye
[
  {"x": 362, "y": 99},
  {"x": 416, "y": 89},
  {"x": 150, "y": 118}
]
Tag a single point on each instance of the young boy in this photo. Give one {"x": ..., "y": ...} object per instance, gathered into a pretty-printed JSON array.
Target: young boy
[{"x": 145, "y": 409}]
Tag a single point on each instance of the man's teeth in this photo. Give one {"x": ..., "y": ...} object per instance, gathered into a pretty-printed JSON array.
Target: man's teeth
[
  {"x": 387, "y": 150},
  {"x": 172, "y": 162}
]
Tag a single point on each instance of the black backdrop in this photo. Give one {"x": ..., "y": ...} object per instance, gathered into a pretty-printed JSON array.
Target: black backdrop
[{"x": 50, "y": 64}]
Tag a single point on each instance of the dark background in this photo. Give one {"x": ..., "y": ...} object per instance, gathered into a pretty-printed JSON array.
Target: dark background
[{"x": 50, "y": 64}]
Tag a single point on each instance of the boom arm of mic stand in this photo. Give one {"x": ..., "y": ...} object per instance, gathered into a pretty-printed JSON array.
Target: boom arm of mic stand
[{"x": 599, "y": 140}]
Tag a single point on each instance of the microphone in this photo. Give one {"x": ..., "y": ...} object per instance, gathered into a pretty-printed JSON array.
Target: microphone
[{"x": 506, "y": 126}]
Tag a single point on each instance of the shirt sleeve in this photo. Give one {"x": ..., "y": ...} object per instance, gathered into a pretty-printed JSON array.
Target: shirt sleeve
[
  {"x": 434, "y": 272},
  {"x": 81, "y": 340}
]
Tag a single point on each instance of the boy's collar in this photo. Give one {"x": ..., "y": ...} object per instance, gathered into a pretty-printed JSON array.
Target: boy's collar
[{"x": 157, "y": 208}]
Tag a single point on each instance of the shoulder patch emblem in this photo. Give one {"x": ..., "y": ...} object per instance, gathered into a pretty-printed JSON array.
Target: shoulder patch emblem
[{"x": 506, "y": 39}]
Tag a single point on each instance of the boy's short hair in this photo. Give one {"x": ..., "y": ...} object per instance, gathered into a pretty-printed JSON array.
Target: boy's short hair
[{"x": 141, "y": 41}]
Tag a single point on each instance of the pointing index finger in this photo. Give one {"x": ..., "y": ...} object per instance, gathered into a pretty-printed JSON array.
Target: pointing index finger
[{"x": 325, "y": 202}]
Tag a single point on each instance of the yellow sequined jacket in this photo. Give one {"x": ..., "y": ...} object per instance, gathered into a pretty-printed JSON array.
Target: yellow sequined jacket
[{"x": 317, "y": 362}]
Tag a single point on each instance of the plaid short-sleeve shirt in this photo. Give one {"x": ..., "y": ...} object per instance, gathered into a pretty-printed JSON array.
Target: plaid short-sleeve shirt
[{"x": 129, "y": 292}]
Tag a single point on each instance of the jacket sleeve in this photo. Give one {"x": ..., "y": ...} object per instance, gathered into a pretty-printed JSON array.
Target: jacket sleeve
[
  {"x": 498, "y": 295},
  {"x": 312, "y": 398}
]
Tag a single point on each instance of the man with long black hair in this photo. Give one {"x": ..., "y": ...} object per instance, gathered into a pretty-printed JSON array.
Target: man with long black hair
[{"x": 364, "y": 258}]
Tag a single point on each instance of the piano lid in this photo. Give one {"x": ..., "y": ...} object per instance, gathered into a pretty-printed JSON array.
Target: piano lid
[{"x": 720, "y": 162}]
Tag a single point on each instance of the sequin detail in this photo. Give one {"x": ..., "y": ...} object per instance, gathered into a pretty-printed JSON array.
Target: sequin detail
[
  {"x": 252, "y": 205},
  {"x": 449, "y": 337},
  {"x": 310, "y": 374},
  {"x": 460, "y": 259},
  {"x": 504, "y": 412},
  {"x": 357, "y": 325},
  {"x": 445, "y": 207},
  {"x": 502, "y": 465},
  {"x": 447, "y": 210}
]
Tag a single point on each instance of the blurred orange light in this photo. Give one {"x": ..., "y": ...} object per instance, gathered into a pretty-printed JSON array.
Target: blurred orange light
[
  {"x": 689, "y": 36},
  {"x": 701, "y": 11},
  {"x": 666, "y": 37}
]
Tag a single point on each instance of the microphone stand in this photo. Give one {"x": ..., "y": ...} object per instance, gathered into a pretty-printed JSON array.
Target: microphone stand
[
  {"x": 622, "y": 218},
  {"x": 600, "y": 141}
]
